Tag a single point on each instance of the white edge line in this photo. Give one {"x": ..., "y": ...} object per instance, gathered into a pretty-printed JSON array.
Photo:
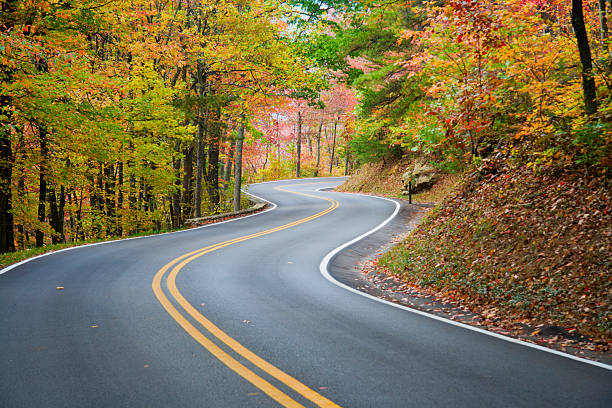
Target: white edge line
[
  {"x": 15, "y": 265},
  {"x": 300, "y": 179},
  {"x": 323, "y": 268}
]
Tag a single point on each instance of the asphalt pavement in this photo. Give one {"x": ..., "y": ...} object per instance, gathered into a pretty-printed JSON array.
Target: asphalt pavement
[{"x": 247, "y": 319}]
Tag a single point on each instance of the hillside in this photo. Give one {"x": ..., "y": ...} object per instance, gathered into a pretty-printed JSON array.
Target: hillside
[
  {"x": 515, "y": 246},
  {"x": 385, "y": 178}
]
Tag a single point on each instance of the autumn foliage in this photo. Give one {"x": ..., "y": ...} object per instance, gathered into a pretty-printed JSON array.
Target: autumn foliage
[
  {"x": 122, "y": 117},
  {"x": 495, "y": 90},
  {"x": 459, "y": 79}
]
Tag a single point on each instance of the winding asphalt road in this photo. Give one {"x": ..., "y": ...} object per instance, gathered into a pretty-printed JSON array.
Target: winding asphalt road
[{"x": 247, "y": 319}]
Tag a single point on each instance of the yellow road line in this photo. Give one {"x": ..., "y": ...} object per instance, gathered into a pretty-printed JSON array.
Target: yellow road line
[{"x": 178, "y": 263}]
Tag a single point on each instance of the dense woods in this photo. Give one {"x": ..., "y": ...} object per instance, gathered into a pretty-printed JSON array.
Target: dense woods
[
  {"x": 457, "y": 80},
  {"x": 125, "y": 116}
]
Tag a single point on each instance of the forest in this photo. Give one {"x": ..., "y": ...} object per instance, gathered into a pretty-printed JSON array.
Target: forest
[{"x": 121, "y": 117}]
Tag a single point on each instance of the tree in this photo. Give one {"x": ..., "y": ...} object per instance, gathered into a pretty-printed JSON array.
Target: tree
[
  {"x": 588, "y": 80},
  {"x": 106, "y": 110},
  {"x": 298, "y": 144},
  {"x": 7, "y": 22},
  {"x": 238, "y": 164}
]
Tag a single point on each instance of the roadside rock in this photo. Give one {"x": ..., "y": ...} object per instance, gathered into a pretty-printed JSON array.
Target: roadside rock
[{"x": 422, "y": 174}]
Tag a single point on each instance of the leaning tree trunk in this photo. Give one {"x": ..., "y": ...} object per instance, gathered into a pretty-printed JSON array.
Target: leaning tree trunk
[
  {"x": 238, "y": 164},
  {"x": 588, "y": 81}
]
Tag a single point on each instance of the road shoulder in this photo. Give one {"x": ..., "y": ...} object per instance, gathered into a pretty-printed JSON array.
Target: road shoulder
[{"x": 356, "y": 266}]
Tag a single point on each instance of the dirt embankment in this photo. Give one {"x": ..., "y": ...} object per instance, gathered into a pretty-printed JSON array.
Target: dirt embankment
[
  {"x": 517, "y": 247},
  {"x": 385, "y": 178}
]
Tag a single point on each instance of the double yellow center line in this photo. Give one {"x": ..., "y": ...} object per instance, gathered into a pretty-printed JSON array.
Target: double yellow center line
[{"x": 211, "y": 329}]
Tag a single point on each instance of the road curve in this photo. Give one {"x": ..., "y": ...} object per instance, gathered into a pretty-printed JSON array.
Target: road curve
[{"x": 237, "y": 314}]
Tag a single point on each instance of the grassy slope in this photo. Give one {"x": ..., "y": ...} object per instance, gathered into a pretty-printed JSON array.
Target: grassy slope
[{"x": 516, "y": 245}]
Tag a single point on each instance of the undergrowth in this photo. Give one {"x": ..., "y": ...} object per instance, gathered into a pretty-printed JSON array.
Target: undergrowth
[{"x": 533, "y": 246}]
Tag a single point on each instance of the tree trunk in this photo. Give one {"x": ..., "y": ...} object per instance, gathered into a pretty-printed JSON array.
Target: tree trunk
[
  {"x": 132, "y": 180},
  {"x": 53, "y": 213},
  {"x": 347, "y": 159},
  {"x": 175, "y": 202},
  {"x": 97, "y": 199},
  {"x": 308, "y": 140},
  {"x": 187, "y": 194},
  {"x": 57, "y": 214},
  {"x": 142, "y": 202},
  {"x": 120, "y": 199},
  {"x": 298, "y": 145},
  {"x": 109, "y": 199},
  {"x": 333, "y": 150},
  {"x": 62, "y": 207},
  {"x": 238, "y": 164},
  {"x": 588, "y": 81},
  {"x": 202, "y": 123},
  {"x": 7, "y": 234},
  {"x": 42, "y": 185},
  {"x": 21, "y": 238},
  {"x": 603, "y": 24},
  {"x": 80, "y": 234},
  {"x": 149, "y": 198},
  {"x": 212, "y": 168},
  {"x": 228, "y": 167},
  {"x": 604, "y": 33},
  {"x": 319, "y": 149},
  {"x": 7, "y": 237},
  {"x": 265, "y": 163},
  {"x": 197, "y": 204}
]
